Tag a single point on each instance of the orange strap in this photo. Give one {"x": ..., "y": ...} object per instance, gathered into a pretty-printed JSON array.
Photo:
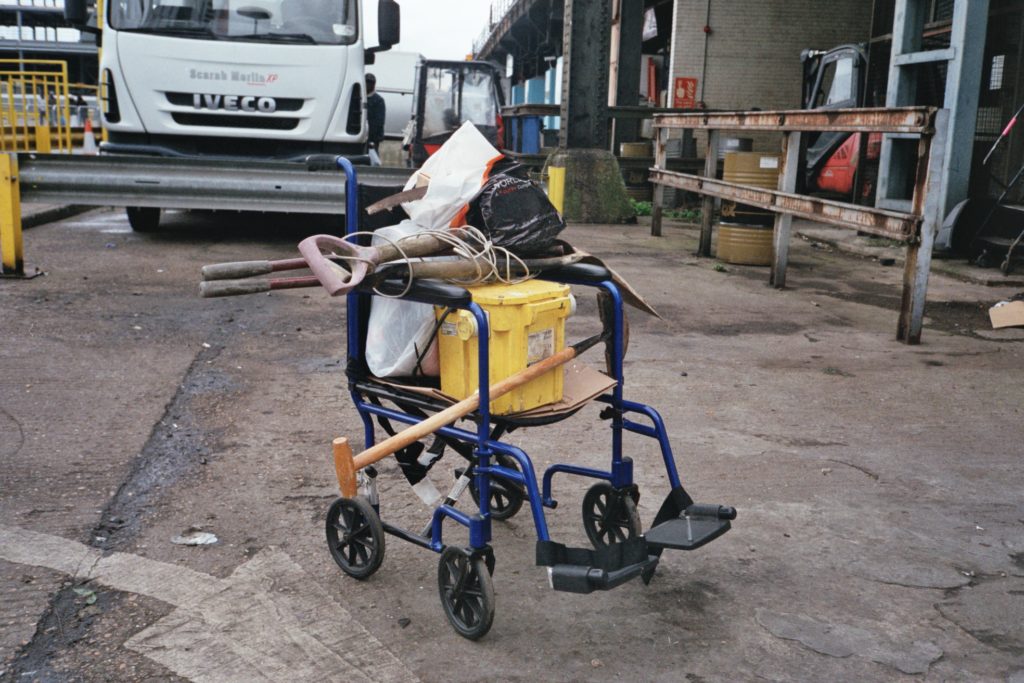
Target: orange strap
[{"x": 460, "y": 217}]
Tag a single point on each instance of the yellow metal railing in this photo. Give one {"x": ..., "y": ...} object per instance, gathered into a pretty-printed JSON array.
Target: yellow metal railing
[{"x": 35, "y": 110}]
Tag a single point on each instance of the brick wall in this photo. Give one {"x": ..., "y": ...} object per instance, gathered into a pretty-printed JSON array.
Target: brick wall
[{"x": 753, "y": 50}]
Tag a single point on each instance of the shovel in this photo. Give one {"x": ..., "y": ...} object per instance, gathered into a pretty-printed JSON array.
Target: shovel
[
  {"x": 362, "y": 260},
  {"x": 463, "y": 269}
]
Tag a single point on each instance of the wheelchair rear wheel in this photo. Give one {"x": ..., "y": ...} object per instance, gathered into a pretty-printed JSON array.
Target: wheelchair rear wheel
[{"x": 355, "y": 536}]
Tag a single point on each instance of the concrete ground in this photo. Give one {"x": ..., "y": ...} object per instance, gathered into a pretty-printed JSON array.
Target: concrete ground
[{"x": 880, "y": 534}]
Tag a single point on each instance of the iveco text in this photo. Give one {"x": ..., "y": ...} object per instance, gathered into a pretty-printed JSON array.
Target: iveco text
[{"x": 234, "y": 103}]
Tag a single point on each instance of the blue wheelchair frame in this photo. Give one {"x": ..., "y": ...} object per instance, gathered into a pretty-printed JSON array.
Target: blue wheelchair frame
[{"x": 619, "y": 475}]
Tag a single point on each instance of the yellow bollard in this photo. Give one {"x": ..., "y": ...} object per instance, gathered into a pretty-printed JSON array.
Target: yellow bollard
[
  {"x": 12, "y": 262},
  {"x": 556, "y": 186}
]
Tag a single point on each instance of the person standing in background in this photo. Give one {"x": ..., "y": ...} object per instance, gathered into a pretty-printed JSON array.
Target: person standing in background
[{"x": 375, "y": 111}]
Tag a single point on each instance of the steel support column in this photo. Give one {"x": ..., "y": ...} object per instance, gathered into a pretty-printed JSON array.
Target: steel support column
[
  {"x": 586, "y": 41},
  {"x": 964, "y": 58},
  {"x": 970, "y": 24},
  {"x": 627, "y": 85}
]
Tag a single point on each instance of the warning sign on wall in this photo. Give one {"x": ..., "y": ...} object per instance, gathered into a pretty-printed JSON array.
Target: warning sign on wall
[{"x": 684, "y": 93}]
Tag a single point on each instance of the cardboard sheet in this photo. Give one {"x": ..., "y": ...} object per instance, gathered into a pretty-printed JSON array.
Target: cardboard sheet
[
  {"x": 582, "y": 384},
  {"x": 1007, "y": 314}
]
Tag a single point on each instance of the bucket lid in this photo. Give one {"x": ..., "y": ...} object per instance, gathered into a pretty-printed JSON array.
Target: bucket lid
[{"x": 500, "y": 294}]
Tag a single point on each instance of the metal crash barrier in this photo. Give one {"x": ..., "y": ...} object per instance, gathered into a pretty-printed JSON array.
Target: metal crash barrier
[
  {"x": 205, "y": 184},
  {"x": 916, "y": 229}
]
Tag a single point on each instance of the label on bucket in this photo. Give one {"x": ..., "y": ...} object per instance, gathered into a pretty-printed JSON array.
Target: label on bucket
[
  {"x": 540, "y": 345},
  {"x": 449, "y": 329},
  {"x": 769, "y": 162}
]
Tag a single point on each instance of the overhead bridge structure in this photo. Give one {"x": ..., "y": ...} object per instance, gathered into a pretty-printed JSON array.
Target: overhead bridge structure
[{"x": 599, "y": 45}]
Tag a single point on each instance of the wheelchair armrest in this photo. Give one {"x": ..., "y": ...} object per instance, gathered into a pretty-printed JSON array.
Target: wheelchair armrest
[
  {"x": 583, "y": 273},
  {"x": 424, "y": 291}
]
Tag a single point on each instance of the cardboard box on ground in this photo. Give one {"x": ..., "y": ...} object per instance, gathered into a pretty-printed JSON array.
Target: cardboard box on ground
[{"x": 1007, "y": 314}]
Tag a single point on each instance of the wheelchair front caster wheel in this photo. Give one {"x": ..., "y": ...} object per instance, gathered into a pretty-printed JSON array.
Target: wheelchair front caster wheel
[
  {"x": 467, "y": 592},
  {"x": 355, "y": 536},
  {"x": 609, "y": 515}
]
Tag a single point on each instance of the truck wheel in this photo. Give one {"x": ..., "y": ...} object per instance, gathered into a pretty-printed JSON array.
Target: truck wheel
[{"x": 143, "y": 218}]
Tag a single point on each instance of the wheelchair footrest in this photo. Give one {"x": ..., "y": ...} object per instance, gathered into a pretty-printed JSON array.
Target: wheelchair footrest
[
  {"x": 695, "y": 526},
  {"x": 580, "y": 570}
]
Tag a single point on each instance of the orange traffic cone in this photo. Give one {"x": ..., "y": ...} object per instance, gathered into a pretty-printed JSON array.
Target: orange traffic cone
[{"x": 88, "y": 139}]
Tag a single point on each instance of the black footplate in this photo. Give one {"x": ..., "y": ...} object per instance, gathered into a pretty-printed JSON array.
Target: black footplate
[
  {"x": 580, "y": 570},
  {"x": 684, "y": 525}
]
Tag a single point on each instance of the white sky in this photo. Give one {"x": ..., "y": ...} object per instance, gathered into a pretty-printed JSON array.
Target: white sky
[{"x": 438, "y": 29}]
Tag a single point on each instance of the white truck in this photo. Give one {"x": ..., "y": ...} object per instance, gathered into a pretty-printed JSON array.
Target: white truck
[{"x": 266, "y": 79}]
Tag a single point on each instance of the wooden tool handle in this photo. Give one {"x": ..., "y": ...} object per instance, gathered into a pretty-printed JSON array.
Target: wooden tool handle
[
  {"x": 460, "y": 409},
  {"x": 413, "y": 246},
  {"x": 240, "y": 269},
  {"x": 240, "y": 287},
  {"x": 396, "y": 199},
  {"x": 235, "y": 270}
]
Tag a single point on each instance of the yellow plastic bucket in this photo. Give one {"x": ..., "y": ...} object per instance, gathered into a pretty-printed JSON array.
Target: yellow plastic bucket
[{"x": 527, "y": 324}]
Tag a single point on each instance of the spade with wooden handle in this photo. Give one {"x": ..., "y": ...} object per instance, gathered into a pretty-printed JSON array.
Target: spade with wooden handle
[
  {"x": 461, "y": 269},
  {"x": 346, "y": 465}
]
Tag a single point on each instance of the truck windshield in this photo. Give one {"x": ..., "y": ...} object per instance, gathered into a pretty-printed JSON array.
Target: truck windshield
[{"x": 327, "y": 22}]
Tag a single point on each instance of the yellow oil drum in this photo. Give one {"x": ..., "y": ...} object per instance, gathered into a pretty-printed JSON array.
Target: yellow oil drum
[
  {"x": 750, "y": 168},
  {"x": 637, "y": 185},
  {"x": 745, "y": 232},
  {"x": 744, "y": 244},
  {"x": 633, "y": 150}
]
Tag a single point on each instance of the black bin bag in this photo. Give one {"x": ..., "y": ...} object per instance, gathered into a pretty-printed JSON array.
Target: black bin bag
[{"x": 515, "y": 214}]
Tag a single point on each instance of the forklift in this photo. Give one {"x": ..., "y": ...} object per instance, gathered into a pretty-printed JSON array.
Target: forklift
[
  {"x": 447, "y": 94},
  {"x": 837, "y": 79},
  {"x": 985, "y": 231}
]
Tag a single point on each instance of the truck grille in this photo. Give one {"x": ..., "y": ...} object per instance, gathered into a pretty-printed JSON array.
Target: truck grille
[
  {"x": 233, "y": 121},
  {"x": 184, "y": 99}
]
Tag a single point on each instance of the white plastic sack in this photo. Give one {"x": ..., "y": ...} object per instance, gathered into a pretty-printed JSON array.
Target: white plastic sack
[
  {"x": 398, "y": 331},
  {"x": 456, "y": 173}
]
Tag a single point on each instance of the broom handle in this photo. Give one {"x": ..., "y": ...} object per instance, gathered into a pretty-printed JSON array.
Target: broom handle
[{"x": 460, "y": 409}]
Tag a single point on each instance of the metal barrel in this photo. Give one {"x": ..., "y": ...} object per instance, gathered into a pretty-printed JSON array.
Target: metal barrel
[
  {"x": 744, "y": 232},
  {"x": 638, "y": 186}
]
